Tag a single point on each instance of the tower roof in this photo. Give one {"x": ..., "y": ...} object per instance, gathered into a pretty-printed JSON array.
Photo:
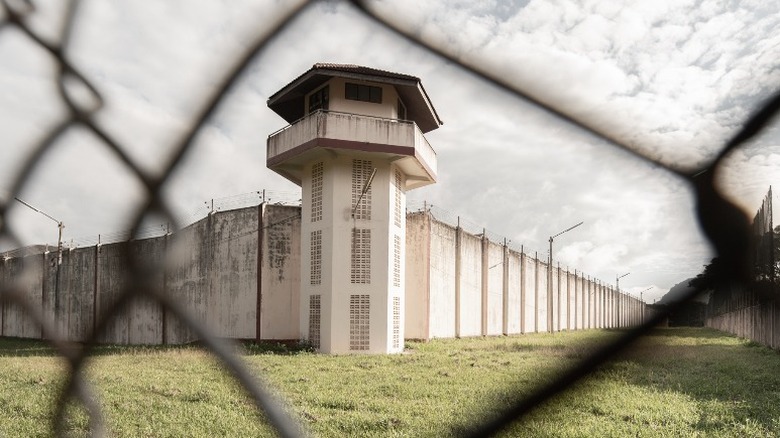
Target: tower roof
[{"x": 289, "y": 101}]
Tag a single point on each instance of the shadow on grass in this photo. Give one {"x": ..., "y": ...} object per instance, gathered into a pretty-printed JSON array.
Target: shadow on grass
[
  {"x": 731, "y": 386},
  {"x": 688, "y": 332},
  {"x": 16, "y": 347},
  {"x": 730, "y": 379},
  {"x": 278, "y": 348},
  {"x": 22, "y": 347}
]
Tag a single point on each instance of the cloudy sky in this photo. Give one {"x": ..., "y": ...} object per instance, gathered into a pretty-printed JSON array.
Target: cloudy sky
[{"x": 673, "y": 79}]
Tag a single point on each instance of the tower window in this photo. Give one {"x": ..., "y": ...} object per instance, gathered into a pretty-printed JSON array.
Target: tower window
[
  {"x": 363, "y": 93},
  {"x": 316, "y": 192},
  {"x": 359, "y": 323},
  {"x": 315, "y": 312},
  {"x": 360, "y": 266},
  {"x": 316, "y": 257},
  {"x": 401, "y": 110},
  {"x": 318, "y": 99},
  {"x": 396, "y": 261},
  {"x": 361, "y": 172},
  {"x": 396, "y": 322},
  {"x": 398, "y": 188}
]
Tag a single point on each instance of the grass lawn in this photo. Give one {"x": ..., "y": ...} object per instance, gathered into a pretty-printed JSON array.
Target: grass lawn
[{"x": 677, "y": 382}]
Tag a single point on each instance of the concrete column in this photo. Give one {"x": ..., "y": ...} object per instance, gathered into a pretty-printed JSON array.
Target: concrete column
[
  {"x": 164, "y": 310},
  {"x": 597, "y": 304},
  {"x": 602, "y": 312},
  {"x": 614, "y": 309},
  {"x": 536, "y": 293},
  {"x": 603, "y": 288},
  {"x": 584, "y": 301},
  {"x": 260, "y": 237},
  {"x": 622, "y": 299},
  {"x": 568, "y": 300},
  {"x": 484, "y": 282},
  {"x": 628, "y": 310},
  {"x": 427, "y": 276},
  {"x": 96, "y": 291},
  {"x": 610, "y": 308},
  {"x": 558, "y": 274},
  {"x": 576, "y": 301},
  {"x": 458, "y": 261},
  {"x": 45, "y": 274},
  {"x": 590, "y": 301},
  {"x": 522, "y": 291},
  {"x": 550, "y": 300},
  {"x": 617, "y": 308},
  {"x": 625, "y": 310},
  {"x": 505, "y": 290},
  {"x": 5, "y": 278}
]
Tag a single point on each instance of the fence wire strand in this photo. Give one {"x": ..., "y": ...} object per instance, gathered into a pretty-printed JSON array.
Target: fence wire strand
[{"x": 724, "y": 223}]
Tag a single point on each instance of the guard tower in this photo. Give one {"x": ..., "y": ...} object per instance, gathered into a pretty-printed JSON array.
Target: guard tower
[{"x": 355, "y": 145}]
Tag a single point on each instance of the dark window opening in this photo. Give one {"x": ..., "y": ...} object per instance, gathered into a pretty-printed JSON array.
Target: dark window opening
[
  {"x": 363, "y": 93},
  {"x": 319, "y": 100},
  {"x": 401, "y": 110}
]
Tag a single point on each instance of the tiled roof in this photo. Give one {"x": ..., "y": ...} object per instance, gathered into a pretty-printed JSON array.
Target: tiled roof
[
  {"x": 359, "y": 69},
  {"x": 289, "y": 102}
]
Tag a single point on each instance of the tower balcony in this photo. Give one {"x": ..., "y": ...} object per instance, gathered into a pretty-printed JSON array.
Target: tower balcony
[{"x": 325, "y": 132}]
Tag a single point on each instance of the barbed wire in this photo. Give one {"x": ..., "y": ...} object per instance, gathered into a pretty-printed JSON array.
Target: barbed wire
[
  {"x": 468, "y": 225},
  {"x": 187, "y": 218}
]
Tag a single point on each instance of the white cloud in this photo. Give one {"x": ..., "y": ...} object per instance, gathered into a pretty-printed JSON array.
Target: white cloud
[{"x": 673, "y": 79}]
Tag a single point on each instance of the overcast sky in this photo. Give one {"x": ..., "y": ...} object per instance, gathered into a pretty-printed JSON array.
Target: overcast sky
[{"x": 672, "y": 78}]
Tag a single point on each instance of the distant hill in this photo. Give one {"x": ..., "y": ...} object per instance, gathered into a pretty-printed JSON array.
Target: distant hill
[{"x": 679, "y": 290}]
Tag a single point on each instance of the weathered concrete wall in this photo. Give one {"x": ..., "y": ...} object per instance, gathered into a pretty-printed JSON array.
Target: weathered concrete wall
[
  {"x": 514, "y": 303},
  {"x": 530, "y": 280},
  {"x": 145, "y": 315},
  {"x": 556, "y": 302},
  {"x": 111, "y": 279},
  {"x": 543, "y": 305},
  {"x": 760, "y": 323},
  {"x": 5, "y": 282},
  {"x": 214, "y": 272},
  {"x": 495, "y": 288},
  {"x": 27, "y": 274},
  {"x": 442, "y": 280},
  {"x": 76, "y": 293},
  {"x": 281, "y": 268},
  {"x": 470, "y": 285},
  {"x": 498, "y": 290},
  {"x": 141, "y": 320},
  {"x": 232, "y": 300},
  {"x": 231, "y": 267},
  {"x": 187, "y": 277},
  {"x": 417, "y": 272}
]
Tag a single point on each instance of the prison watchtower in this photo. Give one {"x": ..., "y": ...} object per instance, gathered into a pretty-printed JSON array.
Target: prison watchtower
[{"x": 355, "y": 145}]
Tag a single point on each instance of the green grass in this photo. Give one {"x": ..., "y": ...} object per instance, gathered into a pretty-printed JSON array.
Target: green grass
[{"x": 677, "y": 382}]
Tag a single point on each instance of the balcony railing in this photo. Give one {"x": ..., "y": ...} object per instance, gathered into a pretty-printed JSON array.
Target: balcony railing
[{"x": 352, "y": 127}]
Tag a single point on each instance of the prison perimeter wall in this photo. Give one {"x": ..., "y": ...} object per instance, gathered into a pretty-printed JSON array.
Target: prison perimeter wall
[
  {"x": 238, "y": 272},
  {"x": 461, "y": 284}
]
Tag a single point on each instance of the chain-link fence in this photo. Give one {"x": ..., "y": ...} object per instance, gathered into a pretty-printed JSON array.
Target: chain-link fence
[
  {"x": 749, "y": 311},
  {"x": 722, "y": 222}
]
